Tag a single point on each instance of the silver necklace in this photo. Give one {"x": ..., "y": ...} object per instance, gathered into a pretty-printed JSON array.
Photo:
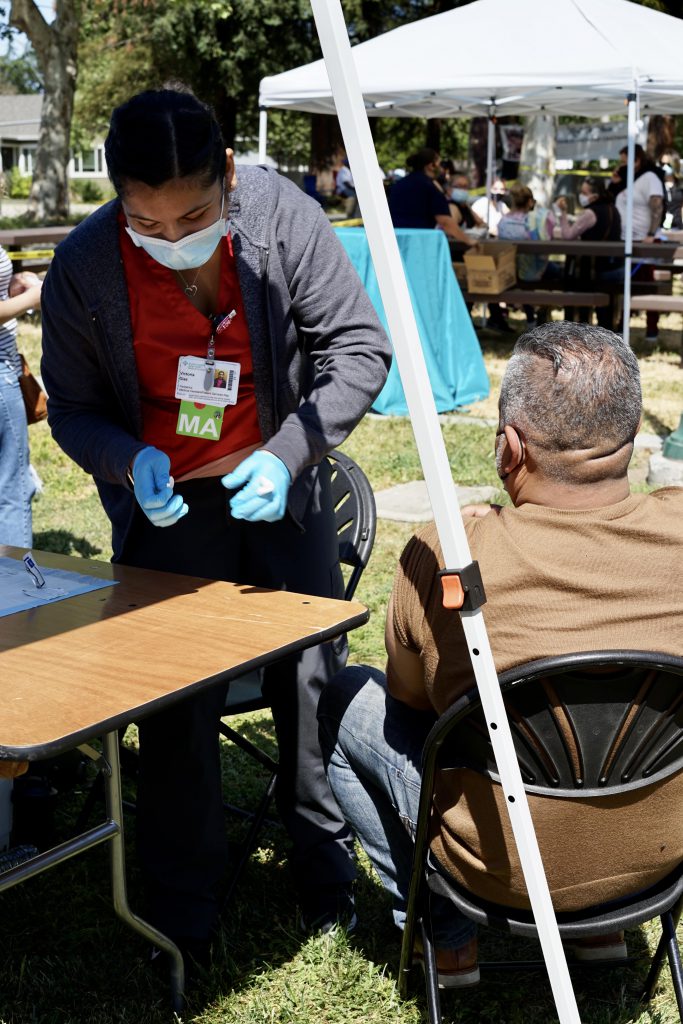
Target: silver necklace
[{"x": 190, "y": 289}]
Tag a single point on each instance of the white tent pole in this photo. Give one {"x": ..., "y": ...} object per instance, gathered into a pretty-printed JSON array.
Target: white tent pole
[
  {"x": 490, "y": 157},
  {"x": 262, "y": 134},
  {"x": 406, "y": 341},
  {"x": 628, "y": 227}
]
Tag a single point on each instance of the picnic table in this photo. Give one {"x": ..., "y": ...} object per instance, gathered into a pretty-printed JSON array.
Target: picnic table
[
  {"x": 33, "y": 240},
  {"x": 646, "y": 294}
]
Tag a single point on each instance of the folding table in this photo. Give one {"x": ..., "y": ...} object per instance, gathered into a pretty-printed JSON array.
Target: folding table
[{"x": 90, "y": 665}]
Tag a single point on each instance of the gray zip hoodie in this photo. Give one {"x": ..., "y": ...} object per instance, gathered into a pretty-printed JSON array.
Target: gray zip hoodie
[{"x": 320, "y": 355}]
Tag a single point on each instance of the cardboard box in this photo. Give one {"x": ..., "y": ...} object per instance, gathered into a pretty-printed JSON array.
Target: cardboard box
[
  {"x": 460, "y": 271},
  {"x": 491, "y": 267}
]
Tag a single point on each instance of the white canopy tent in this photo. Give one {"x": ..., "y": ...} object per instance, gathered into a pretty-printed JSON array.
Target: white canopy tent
[
  {"x": 577, "y": 57},
  {"x": 565, "y": 57}
]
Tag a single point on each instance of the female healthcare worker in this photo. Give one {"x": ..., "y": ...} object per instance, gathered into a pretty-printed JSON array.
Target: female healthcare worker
[{"x": 197, "y": 268}]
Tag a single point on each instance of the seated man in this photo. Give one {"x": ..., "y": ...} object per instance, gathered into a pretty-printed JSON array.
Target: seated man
[{"x": 577, "y": 564}]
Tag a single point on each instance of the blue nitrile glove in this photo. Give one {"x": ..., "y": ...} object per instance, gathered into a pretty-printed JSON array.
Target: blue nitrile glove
[
  {"x": 153, "y": 488},
  {"x": 262, "y": 482}
]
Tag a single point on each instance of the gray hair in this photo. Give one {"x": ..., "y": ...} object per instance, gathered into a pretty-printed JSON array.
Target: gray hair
[{"x": 569, "y": 387}]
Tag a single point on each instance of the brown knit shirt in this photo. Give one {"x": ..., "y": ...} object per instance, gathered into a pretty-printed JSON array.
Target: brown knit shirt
[{"x": 556, "y": 581}]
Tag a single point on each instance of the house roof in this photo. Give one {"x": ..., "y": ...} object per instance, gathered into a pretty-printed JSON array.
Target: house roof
[{"x": 20, "y": 117}]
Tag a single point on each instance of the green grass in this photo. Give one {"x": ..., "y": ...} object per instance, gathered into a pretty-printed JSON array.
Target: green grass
[{"x": 66, "y": 959}]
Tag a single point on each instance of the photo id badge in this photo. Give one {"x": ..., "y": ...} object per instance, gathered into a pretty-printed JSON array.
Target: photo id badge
[
  {"x": 189, "y": 385},
  {"x": 198, "y": 420}
]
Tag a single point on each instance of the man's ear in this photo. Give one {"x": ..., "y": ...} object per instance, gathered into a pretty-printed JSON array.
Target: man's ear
[{"x": 513, "y": 456}]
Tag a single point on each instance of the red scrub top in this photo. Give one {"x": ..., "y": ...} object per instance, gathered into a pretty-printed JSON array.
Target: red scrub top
[{"x": 167, "y": 326}]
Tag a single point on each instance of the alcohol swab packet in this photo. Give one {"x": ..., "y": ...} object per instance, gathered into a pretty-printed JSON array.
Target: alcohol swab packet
[{"x": 264, "y": 486}]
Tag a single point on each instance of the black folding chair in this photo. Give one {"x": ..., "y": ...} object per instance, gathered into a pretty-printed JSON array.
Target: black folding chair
[
  {"x": 356, "y": 522},
  {"x": 591, "y": 725}
]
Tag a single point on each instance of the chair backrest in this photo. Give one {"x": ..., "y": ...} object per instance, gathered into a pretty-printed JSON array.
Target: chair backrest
[
  {"x": 583, "y": 725},
  {"x": 355, "y": 515},
  {"x": 356, "y": 521}
]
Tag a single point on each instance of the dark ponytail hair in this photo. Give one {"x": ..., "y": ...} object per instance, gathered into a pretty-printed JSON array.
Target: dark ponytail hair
[
  {"x": 164, "y": 134},
  {"x": 598, "y": 187}
]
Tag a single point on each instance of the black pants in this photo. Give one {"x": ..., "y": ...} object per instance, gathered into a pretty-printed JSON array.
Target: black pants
[{"x": 181, "y": 830}]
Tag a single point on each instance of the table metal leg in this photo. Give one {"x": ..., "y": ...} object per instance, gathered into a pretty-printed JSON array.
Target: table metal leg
[{"x": 112, "y": 786}]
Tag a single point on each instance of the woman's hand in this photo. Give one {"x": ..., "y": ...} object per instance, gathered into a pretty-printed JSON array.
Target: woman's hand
[
  {"x": 153, "y": 488},
  {"x": 561, "y": 203},
  {"x": 262, "y": 483}
]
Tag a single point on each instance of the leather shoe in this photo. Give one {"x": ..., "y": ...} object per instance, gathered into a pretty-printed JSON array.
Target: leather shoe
[
  {"x": 456, "y": 968},
  {"x": 598, "y": 947}
]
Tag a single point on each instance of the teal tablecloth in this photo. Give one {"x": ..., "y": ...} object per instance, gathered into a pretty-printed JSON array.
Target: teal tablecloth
[{"x": 451, "y": 349}]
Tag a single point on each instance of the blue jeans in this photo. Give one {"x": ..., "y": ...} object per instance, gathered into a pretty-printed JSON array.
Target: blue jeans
[
  {"x": 372, "y": 747},
  {"x": 16, "y": 483}
]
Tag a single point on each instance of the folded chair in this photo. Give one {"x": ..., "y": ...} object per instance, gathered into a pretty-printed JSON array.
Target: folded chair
[
  {"x": 356, "y": 521},
  {"x": 596, "y": 725}
]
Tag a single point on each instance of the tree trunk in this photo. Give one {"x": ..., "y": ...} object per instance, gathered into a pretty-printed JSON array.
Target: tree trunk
[
  {"x": 55, "y": 46},
  {"x": 433, "y": 134},
  {"x": 326, "y": 141},
  {"x": 537, "y": 164},
  {"x": 660, "y": 136}
]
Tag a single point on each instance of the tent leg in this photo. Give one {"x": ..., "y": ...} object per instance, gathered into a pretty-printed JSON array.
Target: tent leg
[
  {"x": 490, "y": 157},
  {"x": 628, "y": 227},
  {"x": 262, "y": 134}
]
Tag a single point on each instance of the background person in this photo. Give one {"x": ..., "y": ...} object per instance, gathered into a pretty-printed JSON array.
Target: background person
[
  {"x": 459, "y": 201},
  {"x": 599, "y": 221},
  {"x": 527, "y": 221},
  {"x": 586, "y": 550},
  {"x": 18, "y": 294},
  {"x": 648, "y": 214},
  {"x": 416, "y": 201},
  {"x": 189, "y": 245},
  {"x": 674, "y": 199},
  {"x": 345, "y": 188},
  {"x": 491, "y": 209}
]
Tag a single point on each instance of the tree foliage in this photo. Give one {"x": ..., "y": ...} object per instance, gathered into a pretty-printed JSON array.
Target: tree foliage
[
  {"x": 20, "y": 74},
  {"x": 221, "y": 49}
]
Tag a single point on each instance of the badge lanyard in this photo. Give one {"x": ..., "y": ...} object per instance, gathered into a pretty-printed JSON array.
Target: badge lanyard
[{"x": 219, "y": 322}]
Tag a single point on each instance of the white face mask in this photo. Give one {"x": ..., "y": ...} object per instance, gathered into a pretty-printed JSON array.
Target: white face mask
[
  {"x": 584, "y": 200},
  {"x": 189, "y": 252}
]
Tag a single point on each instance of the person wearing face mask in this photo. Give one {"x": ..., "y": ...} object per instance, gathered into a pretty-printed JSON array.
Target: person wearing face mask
[
  {"x": 491, "y": 209},
  {"x": 599, "y": 221},
  {"x": 199, "y": 267},
  {"x": 418, "y": 201},
  {"x": 459, "y": 201},
  {"x": 565, "y": 566}
]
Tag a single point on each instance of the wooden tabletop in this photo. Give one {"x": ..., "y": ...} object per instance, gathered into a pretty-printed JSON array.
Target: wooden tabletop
[
  {"x": 576, "y": 247},
  {"x": 79, "y": 667},
  {"x": 32, "y": 236}
]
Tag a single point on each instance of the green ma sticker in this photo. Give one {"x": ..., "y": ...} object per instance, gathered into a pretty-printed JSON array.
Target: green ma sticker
[{"x": 202, "y": 421}]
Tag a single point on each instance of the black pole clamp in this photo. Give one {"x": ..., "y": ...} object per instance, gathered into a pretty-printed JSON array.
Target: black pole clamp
[{"x": 463, "y": 589}]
